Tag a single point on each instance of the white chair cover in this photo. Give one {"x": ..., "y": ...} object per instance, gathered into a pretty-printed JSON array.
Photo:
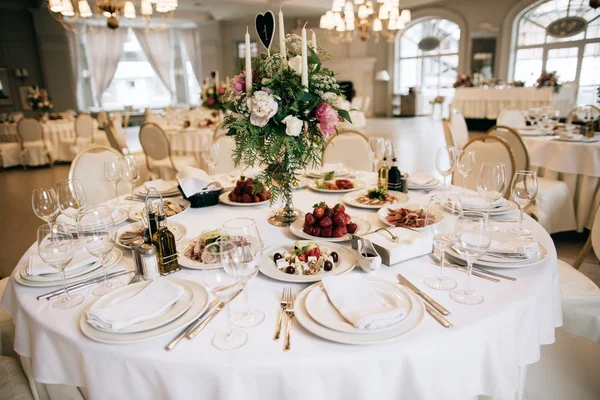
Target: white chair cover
[
  {"x": 458, "y": 127},
  {"x": 117, "y": 116},
  {"x": 35, "y": 150},
  {"x": 351, "y": 148},
  {"x": 88, "y": 168},
  {"x": 157, "y": 148},
  {"x": 84, "y": 126},
  {"x": 366, "y": 105},
  {"x": 225, "y": 158},
  {"x": 102, "y": 118},
  {"x": 10, "y": 154},
  {"x": 357, "y": 103},
  {"x": 511, "y": 118}
]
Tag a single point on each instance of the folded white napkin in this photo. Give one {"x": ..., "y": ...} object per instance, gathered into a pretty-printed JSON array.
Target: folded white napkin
[
  {"x": 153, "y": 300},
  {"x": 69, "y": 217},
  {"x": 410, "y": 245},
  {"x": 477, "y": 202},
  {"x": 420, "y": 179},
  {"x": 527, "y": 249},
  {"x": 193, "y": 180},
  {"x": 360, "y": 305},
  {"x": 161, "y": 185},
  {"x": 37, "y": 266}
]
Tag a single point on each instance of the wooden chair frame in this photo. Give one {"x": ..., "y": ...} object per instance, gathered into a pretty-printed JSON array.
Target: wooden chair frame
[
  {"x": 514, "y": 132},
  {"x": 75, "y": 128}
]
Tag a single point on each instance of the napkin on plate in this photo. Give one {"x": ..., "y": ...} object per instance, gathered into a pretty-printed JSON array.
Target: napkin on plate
[
  {"x": 360, "y": 305},
  {"x": 420, "y": 179},
  {"x": 161, "y": 185},
  {"x": 526, "y": 249},
  {"x": 153, "y": 300},
  {"x": 37, "y": 266},
  {"x": 477, "y": 202},
  {"x": 194, "y": 180}
]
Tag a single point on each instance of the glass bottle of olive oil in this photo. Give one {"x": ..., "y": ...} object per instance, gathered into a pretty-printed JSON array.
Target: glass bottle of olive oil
[
  {"x": 166, "y": 249},
  {"x": 382, "y": 180}
]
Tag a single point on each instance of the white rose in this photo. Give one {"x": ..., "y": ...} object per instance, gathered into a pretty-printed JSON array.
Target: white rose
[
  {"x": 262, "y": 107},
  {"x": 293, "y": 125},
  {"x": 329, "y": 97},
  {"x": 296, "y": 64}
]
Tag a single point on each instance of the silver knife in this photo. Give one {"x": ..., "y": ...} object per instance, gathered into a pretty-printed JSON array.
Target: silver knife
[
  {"x": 79, "y": 286},
  {"x": 191, "y": 326},
  {"x": 221, "y": 305},
  {"x": 436, "y": 315},
  {"x": 423, "y": 295}
]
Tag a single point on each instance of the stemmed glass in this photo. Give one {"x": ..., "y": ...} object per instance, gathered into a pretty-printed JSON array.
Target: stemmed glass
[
  {"x": 130, "y": 172},
  {"x": 211, "y": 155},
  {"x": 97, "y": 231},
  {"x": 224, "y": 286},
  {"x": 547, "y": 125},
  {"x": 445, "y": 161},
  {"x": 441, "y": 239},
  {"x": 524, "y": 189},
  {"x": 45, "y": 204},
  {"x": 465, "y": 164},
  {"x": 532, "y": 116},
  {"x": 472, "y": 239},
  {"x": 491, "y": 184},
  {"x": 112, "y": 173},
  {"x": 56, "y": 247},
  {"x": 377, "y": 151},
  {"x": 241, "y": 261},
  {"x": 71, "y": 198}
]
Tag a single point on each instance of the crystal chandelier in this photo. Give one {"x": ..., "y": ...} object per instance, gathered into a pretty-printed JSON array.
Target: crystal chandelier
[
  {"x": 65, "y": 12},
  {"x": 378, "y": 18}
]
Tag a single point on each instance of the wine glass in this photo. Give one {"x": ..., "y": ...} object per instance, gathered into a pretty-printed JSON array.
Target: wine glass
[
  {"x": 524, "y": 188},
  {"x": 445, "y": 161},
  {"x": 532, "y": 116},
  {"x": 210, "y": 156},
  {"x": 56, "y": 247},
  {"x": 71, "y": 197},
  {"x": 45, "y": 204},
  {"x": 441, "y": 239},
  {"x": 465, "y": 164},
  {"x": 389, "y": 149},
  {"x": 547, "y": 125},
  {"x": 130, "y": 172},
  {"x": 97, "y": 231},
  {"x": 112, "y": 173},
  {"x": 241, "y": 261},
  {"x": 224, "y": 286},
  {"x": 472, "y": 239},
  {"x": 491, "y": 184},
  {"x": 377, "y": 150}
]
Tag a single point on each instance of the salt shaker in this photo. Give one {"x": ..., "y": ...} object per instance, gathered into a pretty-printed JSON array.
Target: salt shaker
[{"x": 149, "y": 262}]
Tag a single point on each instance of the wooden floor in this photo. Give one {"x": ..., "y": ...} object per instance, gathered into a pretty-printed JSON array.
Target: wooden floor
[{"x": 415, "y": 141}]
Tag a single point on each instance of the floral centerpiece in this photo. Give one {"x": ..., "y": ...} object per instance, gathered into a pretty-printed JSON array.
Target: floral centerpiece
[
  {"x": 548, "y": 79},
  {"x": 212, "y": 93},
  {"x": 463, "y": 80},
  {"x": 38, "y": 99},
  {"x": 282, "y": 114}
]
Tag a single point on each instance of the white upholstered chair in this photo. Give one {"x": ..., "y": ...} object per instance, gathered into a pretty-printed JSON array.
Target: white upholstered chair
[
  {"x": 225, "y": 162},
  {"x": 458, "y": 129},
  {"x": 554, "y": 204},
  {"x": 116, "y": 136},
  {"x": 159, "y": 159},
  {"x": 10, "y": 154},
  {"x": 366, "y": 105},
  {"x": 513, "y": 118},
  {"x": 351, "y": 148},
  {"x": 102, "y": 118},
  {"x": 88, "y": 168},
  {"x": 35, "y": 150},
  {"x": 488, "y": 149},
  {"x": 357, "y": 103}
]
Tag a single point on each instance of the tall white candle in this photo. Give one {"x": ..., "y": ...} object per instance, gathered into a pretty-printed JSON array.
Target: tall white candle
[
  {"x": 314, "y": 41},
  {"x": 217, "y": 80},
  {"x": 304, "y": 58},
  {"x": 282, "y": 49},
  {"x": 248, "y": 64}
]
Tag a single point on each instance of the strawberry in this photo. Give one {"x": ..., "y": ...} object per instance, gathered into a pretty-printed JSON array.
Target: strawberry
[{"x": 339, "y": 208}]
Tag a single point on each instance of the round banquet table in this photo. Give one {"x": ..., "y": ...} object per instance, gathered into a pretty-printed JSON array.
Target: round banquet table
[
  {"x": 191, "y": 142},
  {"x": 577, "y": 164},
  {"x": 483, "y": 354}
]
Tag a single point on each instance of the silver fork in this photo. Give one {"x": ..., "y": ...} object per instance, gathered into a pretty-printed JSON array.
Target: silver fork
[
  {"x": 289, "y": 311},
  {"x": 283, "y": 302}
]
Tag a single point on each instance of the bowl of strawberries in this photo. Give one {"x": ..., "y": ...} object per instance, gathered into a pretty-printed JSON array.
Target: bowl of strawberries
[
  {"x": 243, "y": 194},
  {"x": 329, "y": 223}
]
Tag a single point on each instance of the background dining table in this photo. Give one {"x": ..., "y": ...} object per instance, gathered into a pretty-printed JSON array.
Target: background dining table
[{"x": 483, "y": 354}]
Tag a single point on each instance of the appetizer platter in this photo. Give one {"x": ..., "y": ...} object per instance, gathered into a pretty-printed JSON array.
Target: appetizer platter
[
  {"x": 172, "y": 208},
  {"x": 244, "y": 194},
  {"x": 191, "y": 253},
  {"x": 374, "y": 198},
  {"x": 411, "y": 216},
  {"x": 329, "y": 223},
  {"x": 338, "y": 185}
]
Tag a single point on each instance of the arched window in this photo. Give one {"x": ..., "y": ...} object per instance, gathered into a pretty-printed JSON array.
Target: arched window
[
  {"x": 561, "y": 36},
  {"x": 427, "y": 58}
]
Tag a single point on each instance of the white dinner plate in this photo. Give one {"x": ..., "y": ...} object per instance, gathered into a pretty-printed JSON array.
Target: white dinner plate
[
  {"x": 55, "y": 277},
  {"x": 350, "y": 199},
  {"x": 355, "y": 182},
  {"x": 363, "y": 226},
  {"x": 189, "y": 263},
  {"x": 320, "y": 308},
  {"x": 135, "y": 214},
  {"x": 320, "y": 174},
  {"x": 383, "y": 212},
  {"x": 121, "y": 294},
  {"x": 120, "y": 217},
  {"x": 411, "y": 322},
  {"x": 178, "y": 230},
  {"x": 346, "y": 262},
  {"x": 22, "y": 278},
  {"x": 173, "y": 191},
  {"x": 199, "y": 304},
  {"x": 430, "y": 185},
  {"x": 224, "y": 198}
]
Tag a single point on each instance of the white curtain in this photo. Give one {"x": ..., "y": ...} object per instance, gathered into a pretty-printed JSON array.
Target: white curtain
[
  {"x": 158, "y": 48},
  {"x": 105, "y": 47},
  {"x": 191, "y": 42}
]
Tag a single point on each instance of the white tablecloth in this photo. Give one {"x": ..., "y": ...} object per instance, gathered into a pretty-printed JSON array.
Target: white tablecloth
[
  {"x": 577, "y": 164},
  {"x": 191, "y": 142},
  {"x": 486, "y": 103},
  {"x": 482, "y": 354}
]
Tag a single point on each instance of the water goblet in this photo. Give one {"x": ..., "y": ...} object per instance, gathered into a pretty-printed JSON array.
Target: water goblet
[
  {"x": 445, "y": 162},
  {"x": 524, "y": 189},
  {"x": 45, "y": 204},
  {"x": 210, "y": 156},
  {"x": 466, "y": 164},
  {"x": 377, "y": 151},
  {"x": 112, "y": 173},
  {"x": 491, "y": 184},
  {"x": 71, "y": 198},
  {"x": 130, "y": 172}
]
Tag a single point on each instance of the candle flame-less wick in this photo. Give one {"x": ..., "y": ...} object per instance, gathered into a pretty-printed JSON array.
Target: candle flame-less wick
[{"x": 305, "y": 25}]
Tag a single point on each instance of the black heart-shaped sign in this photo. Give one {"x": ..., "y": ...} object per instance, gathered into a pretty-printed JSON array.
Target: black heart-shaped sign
[{"x": 265, "y": 28}]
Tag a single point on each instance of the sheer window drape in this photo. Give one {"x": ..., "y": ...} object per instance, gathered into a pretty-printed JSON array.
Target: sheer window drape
[
  {"x": 191, "y": 43},
  {"x": 158, "y": 47},
  {"x": 105, "y": 47}
]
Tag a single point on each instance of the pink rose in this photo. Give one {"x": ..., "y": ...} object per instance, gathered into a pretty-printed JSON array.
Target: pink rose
[
  {"x": 238, "y": 83},
  {"x": 210, "y": 101},
  {"x": 328, "y": 119},
  {"x": 222, "y": 90}
]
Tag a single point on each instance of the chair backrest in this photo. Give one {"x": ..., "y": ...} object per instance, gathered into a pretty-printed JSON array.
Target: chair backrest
[
  {"x": 513, "y": 118},
  {"x": 516, "y": 144},
  {"x": 366, "y": 105},
  {"x": 357, "y": 103},
  {"x": 447, "y": 132},
  {"x": 351, "y": 148},
  {"x": 88, "y": 168},
  {"x": 84, "y": 126},
  {"x": 102, "y": 118},
  {"x": 29, "y": 130},
  {"x": 580, "y": 113},
  {"x": 225, "y": 162},
  {"x": 126, "y": 117},
  {"x": 595, "y": 234},
  {"x": 458, "y": 128},
  {"x": 488, "y": 149},
  {"x": 154, "y": 141},
  {"x": 115, "y": 138},
  {"x": 147, "y": 113}
]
